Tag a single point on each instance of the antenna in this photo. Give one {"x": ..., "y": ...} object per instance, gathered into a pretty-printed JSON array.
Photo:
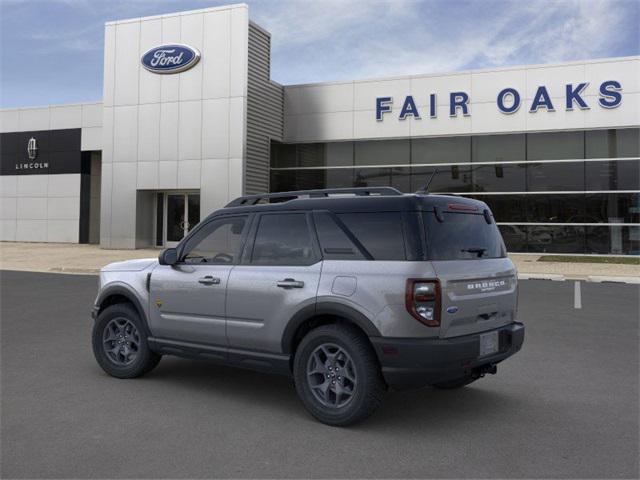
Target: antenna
[{"x": 425, "y": 189}]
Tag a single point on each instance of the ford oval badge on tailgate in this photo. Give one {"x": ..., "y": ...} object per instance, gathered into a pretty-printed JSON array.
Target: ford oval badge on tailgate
[
  {"x": 452, "y": 310},
  {"x": 173, "y": 58}
]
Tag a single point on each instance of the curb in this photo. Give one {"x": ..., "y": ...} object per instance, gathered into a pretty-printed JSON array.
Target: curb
[{"x": 589, "y": 278}]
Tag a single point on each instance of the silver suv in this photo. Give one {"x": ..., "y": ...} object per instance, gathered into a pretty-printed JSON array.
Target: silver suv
[{"x": 349, "y": 291}]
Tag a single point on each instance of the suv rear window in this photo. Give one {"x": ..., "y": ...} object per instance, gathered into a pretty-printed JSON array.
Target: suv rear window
[
  {"x": 462, "y": 236},
  {"x": 380, "y": 233}
]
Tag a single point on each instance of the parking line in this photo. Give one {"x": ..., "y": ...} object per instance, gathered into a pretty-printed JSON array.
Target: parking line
[{"x": 577, "y": 297}]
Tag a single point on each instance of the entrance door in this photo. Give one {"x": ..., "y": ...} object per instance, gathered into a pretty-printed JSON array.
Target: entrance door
[{"x": 182, "y": 214}]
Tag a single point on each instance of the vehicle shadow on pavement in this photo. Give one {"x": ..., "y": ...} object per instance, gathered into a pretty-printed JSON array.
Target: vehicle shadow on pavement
[{"x": 413, "y": 409}]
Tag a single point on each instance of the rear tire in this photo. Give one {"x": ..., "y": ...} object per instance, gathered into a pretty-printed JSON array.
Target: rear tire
[
  {"x": 337, "y": 376},
  {"x": 457, "y": 383},
  {"x": 119, "y": 342}
]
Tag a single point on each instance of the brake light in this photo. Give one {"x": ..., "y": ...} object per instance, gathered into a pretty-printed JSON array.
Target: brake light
[
  {"x": 461, "y": 207},
  {"x": 422, "y": 298}
]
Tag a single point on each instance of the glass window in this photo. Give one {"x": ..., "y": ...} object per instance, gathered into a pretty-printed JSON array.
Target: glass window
[
  {"x": 288, "y": 180},
  {"x": 612, "y": 208},
  {"x": 499, "y": 178},
  {"x": 499, "y": 148},
  {"x": 372, "y": 177},
  {"x": 339, "y": 154},
  {"x": 556, "y": 239},
  {"x": 283, "y": 239},
  {"x": 382, "y": 152},
  {"x": 505, "y": 208},
  {"x": 338, "y": 178},
  {"x": 515, "y": 237},
  {"x": 448, "y": 179},
  {"x": 441, "y": 150},
  {"x": 613, "y": 175},
  {"x": 310, "y": 155},
  {"x": 547, "y": 177},
  {"x": 334, "y": 242},
  {"x": 614, "y": 240},
  {"x": 555, "y": 208},
  {"x": 380, "y": 233},
  {"x": 462, "y": 236},
  {"x": 283, "y": 155},
  {"x": 217, "y": 243},
  {"x": 613, "y": 143},
  {"x": 555, "y": 145}
]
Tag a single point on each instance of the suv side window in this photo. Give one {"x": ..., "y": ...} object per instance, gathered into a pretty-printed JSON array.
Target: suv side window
[
  {"x": 334, "y": 241},
  {"x": 381, "y": 233},
  {"x": 283, "y": 239},
  {"x": 217, "y": 243}
]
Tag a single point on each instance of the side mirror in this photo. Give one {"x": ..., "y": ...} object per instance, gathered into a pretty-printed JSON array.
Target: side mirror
[{"x": 169, "y": 256}]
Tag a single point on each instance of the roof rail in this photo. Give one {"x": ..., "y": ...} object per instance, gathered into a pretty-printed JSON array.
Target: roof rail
[{"x": 286, "y": 196}]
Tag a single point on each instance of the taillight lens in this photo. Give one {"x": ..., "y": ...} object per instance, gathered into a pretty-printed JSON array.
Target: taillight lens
[{"x": 423, "y": 301}]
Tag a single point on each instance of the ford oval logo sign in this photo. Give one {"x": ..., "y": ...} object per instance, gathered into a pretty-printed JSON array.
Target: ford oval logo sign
[{"x": 173, "y": 58}]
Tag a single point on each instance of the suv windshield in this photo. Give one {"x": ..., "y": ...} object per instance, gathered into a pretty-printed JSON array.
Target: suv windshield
[{"x": 462, "y": 236}]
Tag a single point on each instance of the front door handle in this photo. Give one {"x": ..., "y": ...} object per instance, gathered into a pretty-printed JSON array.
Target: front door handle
[
  {"x": 209, "y": 280},
  {"x": 290, "y": 283}
]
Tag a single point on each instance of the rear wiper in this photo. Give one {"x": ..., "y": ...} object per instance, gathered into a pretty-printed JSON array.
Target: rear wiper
[{"x": 479, "y": 250}]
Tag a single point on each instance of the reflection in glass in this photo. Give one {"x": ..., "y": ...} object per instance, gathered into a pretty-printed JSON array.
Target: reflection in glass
[
  {"x": 556, "y": 239},
  {"x": 499, "y": 178},
  {"x": 551, "y": 208},
  {"x": 449, "y": 179},
  {"x": 612, "y": 143},
  {"x": 547, "y": 177},
  {"x": 613, "y": 175},
  {"x": 382, "y": 152},
  {"x": 555, "y": 145},
  {"x": 614, "y": 240},
  {"x": 441, "y": 150},
  {"x": 612, "y": 208},
  {"x": 499, "y": 148},
  {"x": 515, "y": 237},
  {"x": 175, "y": 217}
]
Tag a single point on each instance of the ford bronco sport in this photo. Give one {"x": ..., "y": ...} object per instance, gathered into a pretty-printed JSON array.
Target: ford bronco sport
[{"x": 349, "y": 291}]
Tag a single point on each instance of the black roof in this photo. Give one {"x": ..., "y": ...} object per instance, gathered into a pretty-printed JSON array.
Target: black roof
[{"x": 350, "y": 200}]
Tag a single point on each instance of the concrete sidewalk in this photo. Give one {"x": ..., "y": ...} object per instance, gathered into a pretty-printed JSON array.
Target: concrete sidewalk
[{"x": 73, "y": 258}]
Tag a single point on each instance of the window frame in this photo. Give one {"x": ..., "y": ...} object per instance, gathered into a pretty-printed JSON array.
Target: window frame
[
  {"x": 206, "y": 225},
  {"x": 247, "y": 254}
]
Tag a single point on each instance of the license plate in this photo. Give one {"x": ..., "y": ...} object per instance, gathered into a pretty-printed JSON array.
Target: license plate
[{"x": 489, "y": 343}]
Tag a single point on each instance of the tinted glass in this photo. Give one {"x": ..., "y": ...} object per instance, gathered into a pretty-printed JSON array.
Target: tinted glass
[
  {"x": 612, "y": 208},
  {"x": 515, "y": 237},
  {"x": 555, "y": 176},
  {"x": 556, "y": 239},
  {"x": 449, "y": 179},
  {"x": 283, "y": 155},
  {"x": 555, "y": 208},
  {"x": 441, "y": 150},
  {"x": 462, "y": 236},
  {"x": 334, "y": 242},
  {"x": 380, "y": 233},
  {"x": 287, "y": 180},
  {"x": 283, "y": 239},
  {"x": 555, "y": 145},
  {"x": 613, "y": 175},
  {"x": 499, "y": 148},
  {"x": 505, "y": 208},
  {"x": 613, "y": 240},
  {"x": 382, "y": 152},
  {"x": 217, "y": 243},
  {"x": 499, "y": 178},
  {"x": 339, "y": 154},
  {"x": 612, "y": 143}
]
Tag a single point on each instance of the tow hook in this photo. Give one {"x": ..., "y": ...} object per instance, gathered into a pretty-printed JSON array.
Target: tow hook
[{"x": 483, "y": 370}]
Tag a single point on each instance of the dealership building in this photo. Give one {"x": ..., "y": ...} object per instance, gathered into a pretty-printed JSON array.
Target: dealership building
[{"x": 190, "y": 119}]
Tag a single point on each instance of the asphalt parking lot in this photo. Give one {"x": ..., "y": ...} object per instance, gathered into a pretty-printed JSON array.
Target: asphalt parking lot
[{"x": 565, "y": 406}]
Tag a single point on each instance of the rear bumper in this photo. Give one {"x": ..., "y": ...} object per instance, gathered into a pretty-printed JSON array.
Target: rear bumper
[{"x": 417, "y": 362}]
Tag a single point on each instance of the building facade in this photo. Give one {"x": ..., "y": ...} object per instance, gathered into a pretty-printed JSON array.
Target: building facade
[{"x": 190, "y": 119}]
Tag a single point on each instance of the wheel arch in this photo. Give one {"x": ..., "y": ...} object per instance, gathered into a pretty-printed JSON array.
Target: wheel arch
[
  {"x": 117, "y": 294},
  {"x": 324, "y": 313}
]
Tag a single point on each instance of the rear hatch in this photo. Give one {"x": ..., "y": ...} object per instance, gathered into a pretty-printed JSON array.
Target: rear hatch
[{"x": 478, "y": 282}]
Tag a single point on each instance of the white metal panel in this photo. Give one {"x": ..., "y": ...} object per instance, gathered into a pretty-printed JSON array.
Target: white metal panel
[
  {"x": 65, "y": 116},
  {"x": 555, "y": 78},
  {"x": 8, "y": 208},
  {"x": 215, "y": 128},
  {"x": 169, "y": 131},
  {"x": 336, "y": 97},
  {"x": 34, "y": 119},
  {"x": 31, "y": 230},
  {"x": 191, "y": 80},
  {"x": 91, "y": 115},
  {"x": 107, "y": 135},
  {"x": 106, "y": 186},
  {"x": 8, "y": 185},
  {"x": 63, "y": 185},
  {"x": 487, "y": 118},
  {"x": 63, "y": 231},
  {"x": 168, "y": 174},
  {"x": 32, "y": 208},
  {"x": 215, "y": 175},
  {"x": 190, "y": 130},
  {"x": 216, "y": 54},
  {"x": 149, "y": 132},
  {"x": 63, "y": 208},
  {"x": 149, "y": 83},
  {"x": 127, "y": 63},
  {"x": 189, "y": 174},
  {"x": 365, "y": 93},
  {"x": 8, "y": 230},
  {"x": 9, "y": 120},
  {"x": 441, "y": 85},
  {"x": 32, "y": 185},
  {"x": 91, "y": 138},
  {"x": 236, "y": 171},
  {"x": 109, "y": 68},
  {"x": 366, "y": 126},
  {"x": 237, "y": 126},
  {"x": 147, "y": 175},
  {"x": 485, "y": 86},
  {"x": 626, "y": 72},
  {"x": 627, "y": 114},
  {"x": 170, "y": 84},
  {"x": 125, "y": 134},
  {"x": 239, "y": 51},
  {"x": 123, "y": 219}
]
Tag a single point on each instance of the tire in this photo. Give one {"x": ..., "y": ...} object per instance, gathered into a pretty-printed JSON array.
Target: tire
[
  {"x": 457, "y": 383},
  {"x": 359, "y": 383},
  {"x": 130, "y": 356}
]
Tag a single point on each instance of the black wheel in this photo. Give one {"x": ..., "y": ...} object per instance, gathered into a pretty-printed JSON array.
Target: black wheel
[
  {"x": 120, "y": 344},
  {"x": 457, "y": 383},
  {"x": 337, "y": 375}
]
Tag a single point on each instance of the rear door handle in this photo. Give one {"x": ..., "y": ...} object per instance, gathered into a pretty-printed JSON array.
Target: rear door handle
[
  {"x": 290, "y": 283},
  {"x": 209, "y": 280}
]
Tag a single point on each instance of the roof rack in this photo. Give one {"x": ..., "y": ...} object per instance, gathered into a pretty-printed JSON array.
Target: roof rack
[{"x": 286, "y": 196}]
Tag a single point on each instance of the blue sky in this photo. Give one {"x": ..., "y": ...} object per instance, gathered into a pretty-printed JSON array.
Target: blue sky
[{"x": 51, "y": 50}]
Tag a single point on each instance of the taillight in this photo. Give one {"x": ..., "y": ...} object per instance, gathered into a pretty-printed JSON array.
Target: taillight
[{"x": 423, "y": 301}]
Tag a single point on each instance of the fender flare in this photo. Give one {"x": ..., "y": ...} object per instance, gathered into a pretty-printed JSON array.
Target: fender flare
[
  {"x": 326, "y": 308},
  {"x": 121, "y": 290}
]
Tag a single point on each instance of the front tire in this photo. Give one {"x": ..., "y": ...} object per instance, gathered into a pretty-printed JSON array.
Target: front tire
[
  {"x": 120, "y": 342},
  {"x": 337, "y": 375}
]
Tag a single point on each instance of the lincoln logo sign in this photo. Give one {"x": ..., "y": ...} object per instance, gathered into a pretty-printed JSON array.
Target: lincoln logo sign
[
  {"x": 172, "y": 58},
  {"x": 508, "y": 101}
]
